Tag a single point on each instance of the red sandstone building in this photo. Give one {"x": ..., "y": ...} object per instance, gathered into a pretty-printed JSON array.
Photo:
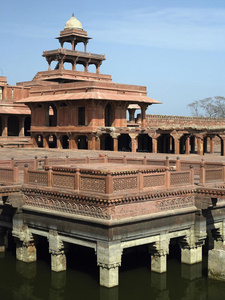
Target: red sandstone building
[{"x": 85, "y": 110}]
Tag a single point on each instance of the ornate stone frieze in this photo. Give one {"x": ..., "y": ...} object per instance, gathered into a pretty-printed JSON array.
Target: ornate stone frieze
[
  {"x": 66, "y": 206},
  {"x": 176, "y": 202}
]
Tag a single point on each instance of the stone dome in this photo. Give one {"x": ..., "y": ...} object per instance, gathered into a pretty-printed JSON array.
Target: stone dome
[{"x": 73, "y": 23}]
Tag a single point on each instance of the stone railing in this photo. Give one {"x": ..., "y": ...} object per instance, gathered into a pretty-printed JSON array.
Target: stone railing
[
  {"x": 212, "y": 175},
  {"x": 107, "y": 182},
  {"x": 9, "y": 175}
]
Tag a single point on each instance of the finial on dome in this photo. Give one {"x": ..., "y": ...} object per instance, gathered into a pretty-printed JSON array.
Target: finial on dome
[{"x": 73, "y": 23}]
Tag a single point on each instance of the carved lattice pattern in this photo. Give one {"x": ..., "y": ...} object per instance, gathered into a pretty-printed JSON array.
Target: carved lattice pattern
[
  {"x": 57, "y": 162},
  {"x": 134, "y": 161},
  {"x": 66, "y": 206},
  {"x": 156, "y": 163},
  {"x": 120, "y": 184},
  {"x": 95, "y": 160},
  {"x": 174, "y": 203},
  {"x": 6, "y": 175},
  {"x": 178, "y": 178},
  {"x": 38, "y": 178},
  {"x": 78, "y": 161},
  {"x": 115, "y": 160},
  {"x": 154, "y": 180},
  {"x": 213, "y": 174},
  {"x": 92, "y": 184},
  {"x": 63, "y": 180}
]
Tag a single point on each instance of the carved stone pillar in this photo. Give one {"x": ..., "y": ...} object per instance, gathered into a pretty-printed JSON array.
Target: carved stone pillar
[
  {"x": 154, "y": 145},
  {"x": 187, "y": 146},
  {"x": 25, "y": 247},
  {"x": 56, "y": 248},
  {"x": 159, "y": 251},
  {"x": 97, "y": 143},
  {"x": 115, "y": 141},
  {"x": 191, "y": 247},
  {"x": 59, "y": 143},
  {"x": 200, "y": 145},
  {"x": 45, "y": 141},
  {"x": 211, "y": 144},
  {"x": 109, "y": 260},
  {"x": 133, "y": 142}
]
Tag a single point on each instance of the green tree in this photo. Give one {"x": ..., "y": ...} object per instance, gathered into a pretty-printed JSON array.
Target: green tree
[{"x": 213, "y": 107}]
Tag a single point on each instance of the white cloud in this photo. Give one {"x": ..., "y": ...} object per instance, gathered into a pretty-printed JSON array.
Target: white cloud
[{"x": 177, "y": 28}]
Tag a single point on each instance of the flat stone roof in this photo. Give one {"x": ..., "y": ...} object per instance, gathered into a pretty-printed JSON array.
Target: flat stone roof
[{"x": 109, "y": 167}]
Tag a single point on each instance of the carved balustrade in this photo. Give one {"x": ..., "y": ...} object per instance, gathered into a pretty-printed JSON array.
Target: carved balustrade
[{"x": 106, "y": 182}]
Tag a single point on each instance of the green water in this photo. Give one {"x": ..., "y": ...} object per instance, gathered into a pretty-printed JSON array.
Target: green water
[{"x": 21, "y": 281}]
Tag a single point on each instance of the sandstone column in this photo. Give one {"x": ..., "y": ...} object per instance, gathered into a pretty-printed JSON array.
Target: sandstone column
[
  {"x": 25, "y": 247},
  {"x": 56, "y": 248},
  {"x": 191, "y": 247},
  {"x": 159, "y": 251},
  {"x": 109, "y": 260}
]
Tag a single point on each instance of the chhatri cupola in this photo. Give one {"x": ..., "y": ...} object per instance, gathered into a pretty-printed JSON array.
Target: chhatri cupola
[{"x": 73, "y": 34}]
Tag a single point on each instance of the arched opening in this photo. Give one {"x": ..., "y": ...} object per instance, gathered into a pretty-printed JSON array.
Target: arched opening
[
  {"x": 183, "y": 141},
  {"x": 54, "y": 65},
  {"x": 67, "y": 65},
  {"x": 165, "y": 143},
  {"x": 106, "y": 142},
  {"x": 92, "y": 68},
  {"x": 39, "y": 141},
  {"x": 27, "y": 123},
  {"x": 193, "y": 144},
  {"x": 80, "y": 67},
  {"x": 124, "y": 143},
  {"x": 218, "y": 145},
  {"x": 52, "y": 113},
  {"x": 206, "y": 145},
  {"x": 13, "y": 126},
  {"x": 82, "y": 142},
  {"x": 108, "y": 115},
  {"x": 144, "y": 143},
  {"x": 52, "y": 141}
]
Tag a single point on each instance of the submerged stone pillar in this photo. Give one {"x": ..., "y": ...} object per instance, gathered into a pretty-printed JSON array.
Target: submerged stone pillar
[
  {"x": 191, "y": 247},
  {"x": 56, "y": 248},
  {"x": 109, "y": 260},
  {"x": 25, "y": 246},
  {"x": 3, "y": 240},
  {"x": 159, "y": 251}
]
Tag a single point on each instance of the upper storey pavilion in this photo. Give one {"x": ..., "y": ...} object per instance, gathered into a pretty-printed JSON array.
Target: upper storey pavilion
[{"x": 82, "y": 109}]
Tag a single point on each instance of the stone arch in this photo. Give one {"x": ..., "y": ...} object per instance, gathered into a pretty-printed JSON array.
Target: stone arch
[
  {"x": 52, "y": 141},
  {"x": 27, "y": 123},
  {"x": 165, "y": 143},
  {"x": 106, "y": 142},
  {"x": 13, "y": 126},
  {"x": 109, "y": 115},
  {"x": 82, "y": 142},
  {"x": 144, "y": 143},
  {"x": 124, "y": 142}
]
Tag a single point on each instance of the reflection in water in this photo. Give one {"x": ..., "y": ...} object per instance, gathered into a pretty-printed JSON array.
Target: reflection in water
[{"x": 35, "y": 281}]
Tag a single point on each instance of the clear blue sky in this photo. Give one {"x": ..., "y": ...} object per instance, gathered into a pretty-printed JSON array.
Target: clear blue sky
[{"x": 174, "y": 47}]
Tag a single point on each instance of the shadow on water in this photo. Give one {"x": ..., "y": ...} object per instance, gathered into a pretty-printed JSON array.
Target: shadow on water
[{"x": 35, "y": 281}]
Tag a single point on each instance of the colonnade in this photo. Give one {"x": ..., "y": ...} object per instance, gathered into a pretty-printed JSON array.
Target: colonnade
[
  {"x": 145, "y": 142},
  {"x": 109, "y": 254},
  {"x": 12, "y": 125}
]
